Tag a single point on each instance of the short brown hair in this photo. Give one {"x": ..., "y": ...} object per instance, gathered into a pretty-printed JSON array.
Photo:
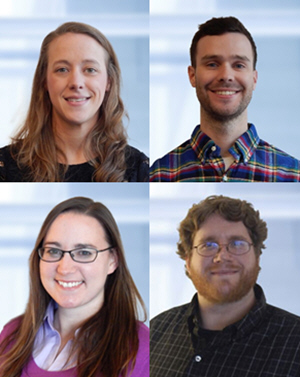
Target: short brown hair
[
  {"x": 220, "y": 26},
  {"x": 228, "y": 208}
]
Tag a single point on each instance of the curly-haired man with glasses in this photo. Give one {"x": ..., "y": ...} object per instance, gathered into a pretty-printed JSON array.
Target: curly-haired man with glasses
[{"x": 228, "y": 329}]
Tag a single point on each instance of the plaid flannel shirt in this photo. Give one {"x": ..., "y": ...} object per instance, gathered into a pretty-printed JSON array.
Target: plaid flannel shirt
[
  {"x": 199, "y": 160},
  {"x": 266, "y": 342}
]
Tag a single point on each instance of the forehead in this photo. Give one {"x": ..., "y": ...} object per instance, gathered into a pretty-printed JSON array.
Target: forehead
[
  {"x": 76, "y": 46},
  {"x": 225, "y": 45},
  {"x": 75, "y": 225},
  {"x": 219, "y": 229}
]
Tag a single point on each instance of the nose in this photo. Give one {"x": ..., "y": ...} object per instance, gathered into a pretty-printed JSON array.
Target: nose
[
  {"x": 225, "y": 73},
  {"x": 66, "y": 265},
  {"x": 76, "y": 79},
  {"x": 222, "y": 255}
]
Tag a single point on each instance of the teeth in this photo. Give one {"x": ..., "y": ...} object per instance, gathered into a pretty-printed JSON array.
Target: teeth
[
  {"x": 225, "y": 92},
  {"x": 76, "y": 99},
  {"x": 69, "y": 285}
]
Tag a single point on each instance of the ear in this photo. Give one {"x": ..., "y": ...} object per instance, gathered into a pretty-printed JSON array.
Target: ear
[
  {"x": 255, "y": 77},
  {"x": 188, "y": 264},
  {"x": 107, "y": 89},
  {"x": 191, "y": 73},
  {"x": 113, "y": 262}
]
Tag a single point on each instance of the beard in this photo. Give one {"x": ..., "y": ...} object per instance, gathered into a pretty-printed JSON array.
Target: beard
[
  {"x": 224, "y": 290},
  {"x": 223, "y": 113}
]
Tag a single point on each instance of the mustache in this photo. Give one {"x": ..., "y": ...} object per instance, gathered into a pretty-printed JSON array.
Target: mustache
[{"x": 223, "y": 267}]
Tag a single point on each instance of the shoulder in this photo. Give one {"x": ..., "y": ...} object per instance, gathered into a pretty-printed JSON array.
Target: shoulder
[
  {"x": 141, "y": 367},
  {"x": 165, "y": 321},
  {"x": 280, "y": 327},
  {"x": 169, "y": 167},
  {"x": 271, "y": 149},
  {"x": 137, "y": 165},
  {"x": 283, "y": 317},
  {"x": 9, "y": 169},
  {"x": 143, "y": 333},
  {"x": 10, "y": 327}
]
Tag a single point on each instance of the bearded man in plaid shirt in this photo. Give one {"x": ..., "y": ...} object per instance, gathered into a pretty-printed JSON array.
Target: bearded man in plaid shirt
[{"x": 228, "y": 329}]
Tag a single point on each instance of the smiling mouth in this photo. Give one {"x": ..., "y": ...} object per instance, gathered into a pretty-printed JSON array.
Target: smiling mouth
[
  {"x": 77, "y": 99},
  {"x": 225, "y": 92},
  {"x": 70, "y": 284}
]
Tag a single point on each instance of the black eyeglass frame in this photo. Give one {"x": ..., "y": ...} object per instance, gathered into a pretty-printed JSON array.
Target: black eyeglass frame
[
  {"x": 220, "y": 247},
  {"x": 63, "y": 252}
]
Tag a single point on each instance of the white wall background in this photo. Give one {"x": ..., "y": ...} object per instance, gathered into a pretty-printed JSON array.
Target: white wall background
[
  {"x": 279, "y": 206},
  {"x": 24, "y": 207},
  {"x": 25, "y": 23},
  {"x": 174, "y": 108}
]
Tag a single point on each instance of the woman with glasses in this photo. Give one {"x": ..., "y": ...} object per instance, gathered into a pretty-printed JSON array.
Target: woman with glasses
[
  {"x": 82, "y": 315},
  {"x": 74, "y": 126}
]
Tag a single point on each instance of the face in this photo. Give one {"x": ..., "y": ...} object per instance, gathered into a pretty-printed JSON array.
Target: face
[
  {"x": 224, "y": 77},
  {"x": 222, "y": 278},
  {"x": 68, "y": 231},
  {"x": 76, "y": 80}
]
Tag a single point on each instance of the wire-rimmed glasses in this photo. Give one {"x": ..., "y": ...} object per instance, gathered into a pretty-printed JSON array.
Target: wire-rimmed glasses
[{"x": 235, "y": 247}]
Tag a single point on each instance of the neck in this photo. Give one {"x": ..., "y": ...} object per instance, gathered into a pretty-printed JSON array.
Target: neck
[
  {"x": 71, "y": 140},
  {"x": 224, "y": 134},
  {"x": 218, "y": 316}
]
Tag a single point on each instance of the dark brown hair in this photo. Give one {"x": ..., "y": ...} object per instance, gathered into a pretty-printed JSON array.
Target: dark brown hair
[
  {"x": 220, "y": 26},
  {"x": 228, "y": 208},
  {"x": 107, "y": 343},
  {"x": 34, "y": 145}
]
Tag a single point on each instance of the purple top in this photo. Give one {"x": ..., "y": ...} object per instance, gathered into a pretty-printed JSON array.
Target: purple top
[{"x": 141, "y": 368}]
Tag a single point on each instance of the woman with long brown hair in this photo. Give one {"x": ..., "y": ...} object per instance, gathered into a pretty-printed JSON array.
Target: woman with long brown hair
[
  {"x": 74, "y": 130},
  {"x": 81, "y": 319}
]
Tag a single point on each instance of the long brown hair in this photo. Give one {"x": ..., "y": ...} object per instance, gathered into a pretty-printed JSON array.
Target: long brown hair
[
  {"x": 34, "y": 147},
  {"x": 107, "y": 343}
]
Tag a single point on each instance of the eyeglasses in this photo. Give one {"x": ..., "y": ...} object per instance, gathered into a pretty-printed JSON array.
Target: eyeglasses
[
  {"x": 235, "y": 247},
  {"x": 81, "y": 255}
]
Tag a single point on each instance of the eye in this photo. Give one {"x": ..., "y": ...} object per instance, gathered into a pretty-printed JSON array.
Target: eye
[
  {"x": 212, "y": 65},
  {"x": 240, "y": 65},
  {"x": 90, "y": 70},
  {"x": 209, "y": 245},
  {"x": 84, "y": 253},
  {"x": 52, "y": 251},
  {"x": 61, "y": 70}
]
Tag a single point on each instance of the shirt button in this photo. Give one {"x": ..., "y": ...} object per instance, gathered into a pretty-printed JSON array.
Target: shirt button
[
  {"x": 225, "y": 178},
  {"x": 197, "y": 358},
  {"x": 213, "y": 148}
]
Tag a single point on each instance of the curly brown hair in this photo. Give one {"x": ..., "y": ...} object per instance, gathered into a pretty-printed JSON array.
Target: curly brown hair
[{"x": 228, "y": 208}]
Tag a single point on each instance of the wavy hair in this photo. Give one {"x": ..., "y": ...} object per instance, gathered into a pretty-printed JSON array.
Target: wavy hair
[
  {"x": 228, "y": 208},
  {"x": 99, "y": 346},
  {"x": 34, "y": 147}
]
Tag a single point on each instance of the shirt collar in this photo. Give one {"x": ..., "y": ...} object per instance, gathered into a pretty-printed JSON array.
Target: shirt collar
[
  {"x": 242, "y": 150},
  {"x": 49, "y": 314}
]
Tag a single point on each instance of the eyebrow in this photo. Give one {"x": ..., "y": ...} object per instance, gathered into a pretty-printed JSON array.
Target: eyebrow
[
  {"x": 230, "y": 239},
  {"x": 76, "y": 246},
  {"x": 220, "y": 57},
  {"x": 85, "y": 61}
]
